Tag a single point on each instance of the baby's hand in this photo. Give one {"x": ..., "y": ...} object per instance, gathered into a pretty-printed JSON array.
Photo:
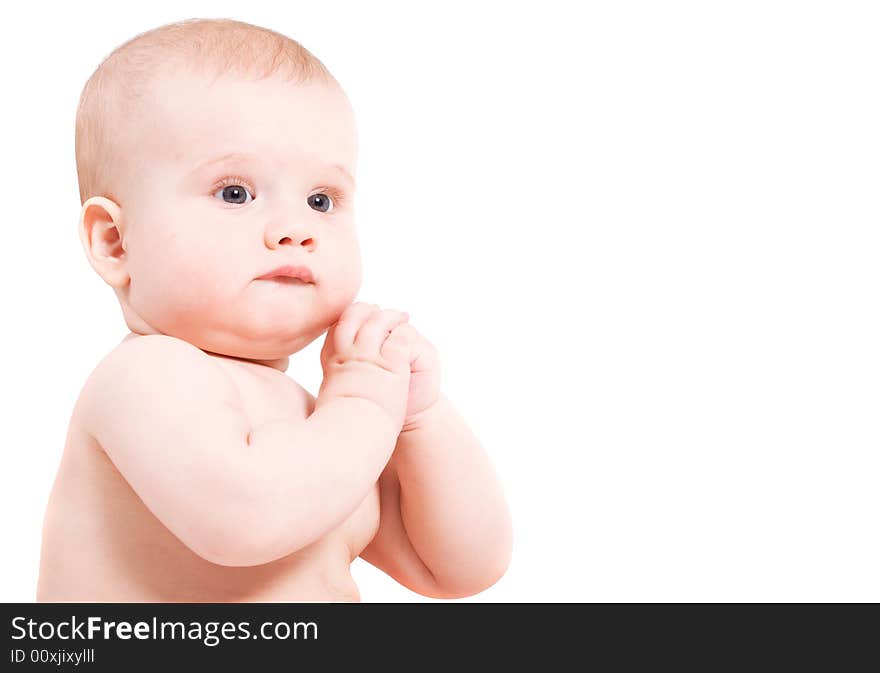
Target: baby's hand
[
  {"x": 424, "y": 380},
  {"x": 367, "y": 354}
]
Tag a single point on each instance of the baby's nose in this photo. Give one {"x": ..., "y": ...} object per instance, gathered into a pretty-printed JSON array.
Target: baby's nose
[
  {"x": 305, "y": 242},
  {"x": 290, "y": 235}
]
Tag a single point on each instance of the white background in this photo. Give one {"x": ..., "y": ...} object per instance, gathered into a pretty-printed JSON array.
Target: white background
[{"x": 643, "y": 236}]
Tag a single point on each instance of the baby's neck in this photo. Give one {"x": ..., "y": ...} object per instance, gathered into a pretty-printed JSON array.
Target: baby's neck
[{"x": 280, "y": 364}]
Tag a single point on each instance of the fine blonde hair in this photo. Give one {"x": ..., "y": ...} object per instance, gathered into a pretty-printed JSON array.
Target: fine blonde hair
[{"x": 118, "y": 92}]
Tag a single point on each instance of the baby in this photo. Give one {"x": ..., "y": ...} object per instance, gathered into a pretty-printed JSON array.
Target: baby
[{"x": 216, "y": 162}]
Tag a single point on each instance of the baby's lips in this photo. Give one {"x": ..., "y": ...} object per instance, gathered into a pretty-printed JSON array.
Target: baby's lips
[{"x": 300, "y": 272}]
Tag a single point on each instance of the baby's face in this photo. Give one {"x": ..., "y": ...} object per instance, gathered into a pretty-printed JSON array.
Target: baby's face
[{"x": 200, "y": 226}]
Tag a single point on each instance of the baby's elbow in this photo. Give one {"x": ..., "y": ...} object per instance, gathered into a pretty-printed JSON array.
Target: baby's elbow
[
  {"x": 240, "y": 536},
  {"x": 224, "y": 543},
  {"x": 230, "y": 551},
  {"x": 490, "y": 566},
  {"x": 476, "y": 581}
]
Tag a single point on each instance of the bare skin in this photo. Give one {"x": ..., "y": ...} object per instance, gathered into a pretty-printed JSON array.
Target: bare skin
[
  {"x": 199, "y": 517},
  {"x": 101, "y": 543},
  {"x": 194, "y": 469}
]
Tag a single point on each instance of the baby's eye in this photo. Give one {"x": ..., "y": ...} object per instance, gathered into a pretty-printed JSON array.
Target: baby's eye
[
  {"x": 234, "y": 193},
  {"x": 321, "y": 202}
]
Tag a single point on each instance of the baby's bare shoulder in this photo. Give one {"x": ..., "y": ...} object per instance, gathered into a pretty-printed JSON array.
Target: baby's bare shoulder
[
  {"x": 153, "y": 369},
  {"x": 153, "y": 356}
]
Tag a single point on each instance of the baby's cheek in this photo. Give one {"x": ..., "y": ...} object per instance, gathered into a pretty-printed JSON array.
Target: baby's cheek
[
  {"x": 349, "y": 263},
  {"x": 182, "y": 282},
  {"x": 345, "y": 283}
]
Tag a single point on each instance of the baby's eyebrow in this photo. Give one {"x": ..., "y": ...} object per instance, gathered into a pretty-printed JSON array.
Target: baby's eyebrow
[
  {"x": 342, "y": 169},
  {"x": 249, "y": 156},
  {"x": 231, "y": 156}
]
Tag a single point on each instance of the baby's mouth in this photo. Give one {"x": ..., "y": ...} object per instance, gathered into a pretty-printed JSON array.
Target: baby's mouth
[
  {"x": 288, "y": 272},
  {"x": 286, "y": 280}
]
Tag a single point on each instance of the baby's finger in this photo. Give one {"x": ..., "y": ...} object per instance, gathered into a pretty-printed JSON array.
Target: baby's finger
[
  {"x": 424, "y": 356},
  {"x": 377, "y": 328},
  {"x": 397, "y": 347},
  {"x": 349, "y": 323}
]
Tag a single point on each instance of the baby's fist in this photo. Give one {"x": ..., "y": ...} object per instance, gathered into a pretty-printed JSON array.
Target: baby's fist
[
  {"x": 424, "y": 380},
  {"x": 367, "y": 355},
  {"x": 365, "y": 333}
]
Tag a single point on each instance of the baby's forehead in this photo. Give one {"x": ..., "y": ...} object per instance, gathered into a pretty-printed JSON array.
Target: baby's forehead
[
  {"x": 213, "y": 129},
  {"x": 197, "y": 119},
  {"x": 192, "y": 108}
]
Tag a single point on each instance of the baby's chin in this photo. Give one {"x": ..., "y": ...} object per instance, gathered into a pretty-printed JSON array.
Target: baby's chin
[
  {"x": 265, "y": 325},
  {"x": 252, "y": 337},
  {"x": 269, "y": 343}
]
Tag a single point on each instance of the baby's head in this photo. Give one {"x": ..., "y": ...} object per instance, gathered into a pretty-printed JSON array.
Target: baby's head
[{"x": 182, "y": 230}]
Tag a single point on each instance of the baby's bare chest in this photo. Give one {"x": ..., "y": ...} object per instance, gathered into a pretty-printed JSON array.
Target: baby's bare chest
[{"x": 267, "y": 394}]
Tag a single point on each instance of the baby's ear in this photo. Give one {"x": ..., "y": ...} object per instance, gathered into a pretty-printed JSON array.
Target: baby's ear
[{"x": 101, "y": 236}]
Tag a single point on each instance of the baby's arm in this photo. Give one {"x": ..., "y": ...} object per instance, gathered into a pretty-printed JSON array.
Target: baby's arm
[
  {"x": 445, "y": 529},
  {"x": 172, "y": 422}
]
